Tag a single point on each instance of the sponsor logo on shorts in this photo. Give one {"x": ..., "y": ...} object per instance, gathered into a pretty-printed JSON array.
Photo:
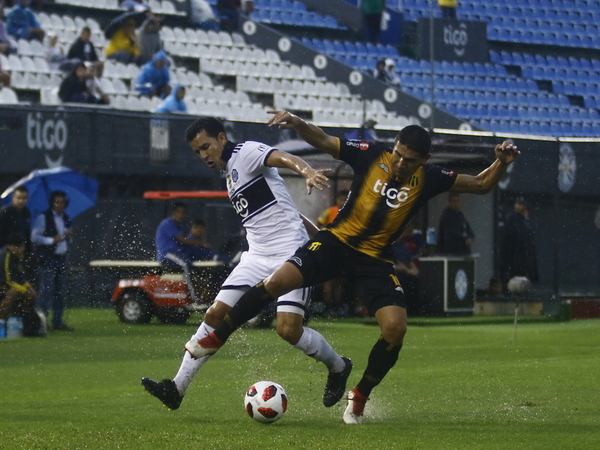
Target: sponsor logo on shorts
[
  {"x": 314, "y": 246},
  {"x": 399, "y": 288},
  {"x": 296, "y": 260}
]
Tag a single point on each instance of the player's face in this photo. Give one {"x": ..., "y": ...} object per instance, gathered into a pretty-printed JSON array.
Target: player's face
[
  {"x": 19, "y": 199},
  {"x": 210, "y": 149},
  {"x": 405, "y": 161}
]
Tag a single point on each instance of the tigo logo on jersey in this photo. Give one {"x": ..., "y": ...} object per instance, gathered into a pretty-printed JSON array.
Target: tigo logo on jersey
[
  {"x": 392, "y": 195},
  {"x": 359, "y": 145},
  {"x": 448, "y": 172}
]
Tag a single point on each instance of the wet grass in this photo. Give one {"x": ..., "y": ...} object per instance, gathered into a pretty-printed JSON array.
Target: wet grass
[{"x": 463, "y": 385}]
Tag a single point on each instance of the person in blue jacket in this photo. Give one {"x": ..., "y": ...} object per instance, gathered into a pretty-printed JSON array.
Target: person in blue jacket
[
  {"x": 154, "y": 77},
  {"x": 21, "y": 22},
  {"x": 174, "y": 102}
]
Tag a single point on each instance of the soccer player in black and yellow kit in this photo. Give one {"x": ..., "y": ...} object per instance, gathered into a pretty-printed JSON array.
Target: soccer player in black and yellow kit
[{"x": 388, "y": 188}]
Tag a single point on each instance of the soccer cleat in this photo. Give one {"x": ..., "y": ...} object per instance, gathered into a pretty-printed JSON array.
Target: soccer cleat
[
  {"x": 205, "y": 346},
  {"x": 355, "y": 407},
  {"x": 336, "y": 384},
  {"x": 165, "y": 391}
]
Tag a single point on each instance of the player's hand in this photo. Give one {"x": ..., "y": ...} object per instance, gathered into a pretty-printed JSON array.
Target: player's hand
[
  {"x": 316, "y": 178},
  {"x": 283, "y": 120},
  {"x": 506, "y": 152}
]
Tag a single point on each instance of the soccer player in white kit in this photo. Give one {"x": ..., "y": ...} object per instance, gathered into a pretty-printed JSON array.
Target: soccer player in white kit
[{"x": 274, "y": 230}]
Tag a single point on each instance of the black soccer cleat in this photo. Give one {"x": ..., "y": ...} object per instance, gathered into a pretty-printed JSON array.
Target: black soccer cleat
[
  {"x": 165, "y": 391},
  {"x": 336, "y": 384}
]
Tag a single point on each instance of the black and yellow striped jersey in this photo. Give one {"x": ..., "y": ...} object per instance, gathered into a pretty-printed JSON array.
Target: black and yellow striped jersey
[{"x": 378, "y": 207}]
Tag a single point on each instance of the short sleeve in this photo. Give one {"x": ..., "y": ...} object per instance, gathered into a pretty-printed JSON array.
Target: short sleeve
[
  {"x": 254, "y": 156},
  {"x": 438, "y": 180},
  {"x": 359, "y": 154}
]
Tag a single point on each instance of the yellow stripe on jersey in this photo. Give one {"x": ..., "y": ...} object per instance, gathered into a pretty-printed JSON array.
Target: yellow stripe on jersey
[{"x": 381, "y": 208}]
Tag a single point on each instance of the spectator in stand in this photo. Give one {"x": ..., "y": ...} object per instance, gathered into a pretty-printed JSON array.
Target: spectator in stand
[
  {"x": 123, "y": 45},
  {"x": 455, "y": 236},
  {"x": 137, "y": 5},
  {"x": 174, "y": 101},
  {"x": 83, "y": 49},
  {"x": 448, "y": 8},
  {"x": 22, "y": 23},
  {"x": 392, "y": 76},
  {"x": 16, "y": 293},
  {"x": 6, "y": 47},
  {"x": 153, "y": 79},
  {"x": 74, "y": 89},
  {"x": 4, "y": 77},
  {"x": 380, "y": 72},
  {"x": 149, "y": 39},
  {"x": 55, "y": 55},
  {"x": 229, "y": 11},
  {"x": 372, "y": 11},
  {"x": 94, "y": 73}
]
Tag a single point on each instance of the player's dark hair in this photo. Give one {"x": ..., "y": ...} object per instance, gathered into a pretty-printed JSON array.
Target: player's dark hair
[
  {"x": 177, "y": 205},
  {"x": 55, "y": 194},
  {"x": 415, "y": 138},
  {"x": 210, "y": 125},
  {"x": 21, "y": 188},
  {"x": 15, "y": 239}
]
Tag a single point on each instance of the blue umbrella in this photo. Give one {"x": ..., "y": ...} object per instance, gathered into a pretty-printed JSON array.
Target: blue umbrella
[{"x": 81, "y": 190}]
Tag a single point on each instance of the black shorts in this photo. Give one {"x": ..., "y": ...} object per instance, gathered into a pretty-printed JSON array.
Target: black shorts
[{"x": 325, "y": 257}]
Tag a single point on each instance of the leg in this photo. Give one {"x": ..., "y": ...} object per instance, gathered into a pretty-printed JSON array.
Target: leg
[
  {"x": 45, "y": 277},
  {"x": 7, "y": 303},
  {"x": 384, "y": 354},
  {"x": 314, "y": 345},
  {"x": 185, "y": 267},
  {"x": 59, "y": 293}
]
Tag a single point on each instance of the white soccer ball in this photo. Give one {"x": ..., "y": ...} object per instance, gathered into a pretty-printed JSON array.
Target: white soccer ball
[
  {"x": 519, "y": 285},
  {"x": 265, "y": 401}
]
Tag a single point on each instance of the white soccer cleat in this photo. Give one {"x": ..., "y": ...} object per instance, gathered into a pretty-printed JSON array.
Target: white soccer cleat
[{"x": 354, "y": 407}]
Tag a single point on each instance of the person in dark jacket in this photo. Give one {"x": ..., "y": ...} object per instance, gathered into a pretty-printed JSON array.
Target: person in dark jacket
[
  {"x": 16, "y": 218},
  {"x": 15, "y": 291},
  {"x": 455, "y": 235},
  {"x": 50, "y": 234},
  {"x": 83, "y": 49},
  {"x": 73, "y": 88},
  {"x": 519, "y": 253}
]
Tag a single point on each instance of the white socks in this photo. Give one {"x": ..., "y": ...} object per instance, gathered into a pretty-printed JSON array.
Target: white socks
[
  {"x": 190, "y": 366},
  {"x": 315, "y": 346}
]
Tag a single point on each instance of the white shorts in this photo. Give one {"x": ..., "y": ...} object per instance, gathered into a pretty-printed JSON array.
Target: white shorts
[{"x": 251, "y": 270}]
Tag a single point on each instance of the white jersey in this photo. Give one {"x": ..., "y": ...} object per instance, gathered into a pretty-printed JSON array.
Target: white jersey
[{"x": 259, "y": 196}]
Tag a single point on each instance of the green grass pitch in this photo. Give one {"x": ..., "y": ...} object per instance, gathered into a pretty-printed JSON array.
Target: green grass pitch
[{"x": 459, "y": 384}]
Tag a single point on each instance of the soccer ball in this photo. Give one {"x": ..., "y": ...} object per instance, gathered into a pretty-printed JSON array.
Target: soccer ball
[
  {"x": 265, "y": 401},
  {"x": 519, "y": 285}
]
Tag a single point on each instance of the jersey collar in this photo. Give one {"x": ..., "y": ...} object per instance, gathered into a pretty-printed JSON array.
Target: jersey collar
[{"x": 227, "y": 151}]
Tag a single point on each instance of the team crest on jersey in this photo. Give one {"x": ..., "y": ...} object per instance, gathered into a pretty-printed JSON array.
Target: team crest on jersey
[
  {"x": 234, "y": 175},
  {"x": 363, "y": 146},
  {"x": 384, "y": 167}
]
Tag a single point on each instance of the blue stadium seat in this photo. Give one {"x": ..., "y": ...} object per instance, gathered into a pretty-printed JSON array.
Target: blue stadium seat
[
  {"x": 318, "y": 45},
  {"x": 546, "y": 129},
  {"x": 339, "y": 47},
  {"x": 350, "y": 48},
  {"x": 361, "y": 50},
  {"x": 298, "y": 6},
  {"x": 506, "y": 58},
  {"x": 495, "y": 57}
]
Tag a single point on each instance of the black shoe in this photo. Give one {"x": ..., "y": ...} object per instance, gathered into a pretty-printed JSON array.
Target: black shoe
[
  {"x": 165, "y": 391},
  {"x": 336, "y": 384},
  {"x": 63, "y": 327}
]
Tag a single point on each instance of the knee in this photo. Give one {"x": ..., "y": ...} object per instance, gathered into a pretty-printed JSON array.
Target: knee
[
  {"x": 214, "y": 317},
  {"x": 289, "y": 332},
  {"x": 394, "y": 333}
]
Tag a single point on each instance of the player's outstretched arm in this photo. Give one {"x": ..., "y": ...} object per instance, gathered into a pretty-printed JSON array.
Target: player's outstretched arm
[
  {"x": 314, "y": 178},
  {"x": 307, "y": 131},
  {"x": 488, "y": 179}
]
